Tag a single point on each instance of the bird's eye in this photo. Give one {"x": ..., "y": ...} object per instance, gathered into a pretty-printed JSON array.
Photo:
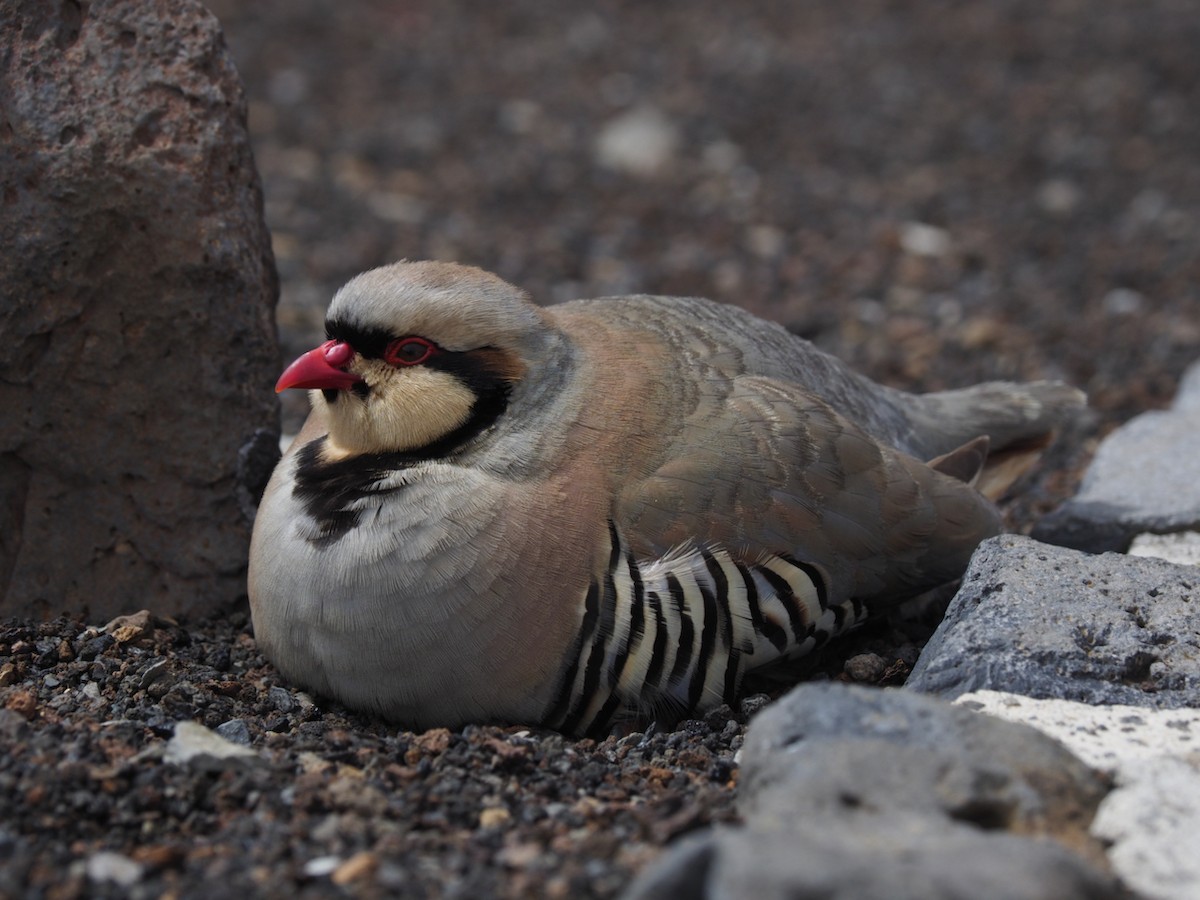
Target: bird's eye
[{"x": 409, "y": 351}]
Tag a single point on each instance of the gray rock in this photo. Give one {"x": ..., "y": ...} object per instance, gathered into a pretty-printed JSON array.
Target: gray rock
[
  {"x": 1145, "y": 478},
  {"x": 236, "y": 731},
  {"x": 1182, "y": 547},
  {"x": 870, "y": 857},
  {"x": 1152, "y": 823},
  {"x": 1049, "y": 622},
  {"x": 281, "y": 698},
  {"x": 828, "y": 750},
  {"x": 852, "y": 792},
  {"x": 137, "y": 341}
]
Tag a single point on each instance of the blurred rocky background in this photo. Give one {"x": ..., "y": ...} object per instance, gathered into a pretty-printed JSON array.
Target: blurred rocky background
[{"x": 939, "y": 193}]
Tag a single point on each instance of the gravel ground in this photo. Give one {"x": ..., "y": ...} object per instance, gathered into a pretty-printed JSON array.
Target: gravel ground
[
  {"x": 329, "y": 800},
  {"x": 938, "y": 193}
]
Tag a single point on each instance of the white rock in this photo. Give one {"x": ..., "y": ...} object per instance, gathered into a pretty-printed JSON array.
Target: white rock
[
  {"x": 1182, "y": 548},
  {"x": 1104, "y": 737},
  {"x": 1152, "y": 815},
  {"x": 1059, "y": 196},
  {"x": 1152, "y": 820},
  {"x": 114, "y": 868},
  {"x": 196, "y": 746},
  {"x": 639, "y": 142},
  {"x": 920, "y": 239},
  {"x": 321, "y": 866},
  {"x": 1123, "y": 302}
]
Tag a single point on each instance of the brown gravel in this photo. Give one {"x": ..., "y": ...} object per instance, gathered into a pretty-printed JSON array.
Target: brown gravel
[{"x": 938, "y": 193}]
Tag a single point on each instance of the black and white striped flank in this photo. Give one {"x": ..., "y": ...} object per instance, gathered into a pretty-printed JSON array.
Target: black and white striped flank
[{"x": 675, "y": 635}]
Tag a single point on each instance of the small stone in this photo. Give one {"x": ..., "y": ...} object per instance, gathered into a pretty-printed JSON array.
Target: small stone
[
  {"x": 195, "y": 746},
  {"x": 981, "y": 332},
  {"x": 1123, "y": 302},
  {"x": 114, "y": 868},
  {"x": 96, "y": 646},
  {"x": 8, "y": 674},
  {"x": 865, "y": 667},
  {"x": 130, "y": 628},
  {"x": 754, "y": 704},
  {"x": 126, "y": 633},
  {"x": 639, "y": 142},
  {"x": 920, "y": 239},
  {"x": 1058, "y": 196},
  {"x": 152, "y": 673},
  {"x": 360, "y": 865},
  {"x": 281, "y": 699},
  {"x": 158, "y": 690},
  {"x": 12, "y": 726},
  {"x": 235, "y": 730},
  {"x": 519, "y": 856},
  {"x": 23, "y": 703},
  {"x": 519, "y": 115},
  {"x": 765, "y": 241},
  {"x": 716, "y": 719},
  {"x": 311, "y": 762},
  {"x": 493, "y": 817},
  {"x": 436, "y": 740},
  {"x": 349, "y": 792},
  {"x": 322, "y": 866},
  {"x": 156, "y": 857}
]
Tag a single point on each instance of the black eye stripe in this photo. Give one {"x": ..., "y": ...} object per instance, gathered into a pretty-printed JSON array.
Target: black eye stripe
[
  {"x": 477, "y": 370},
  {"x": 370, "y": 342}
]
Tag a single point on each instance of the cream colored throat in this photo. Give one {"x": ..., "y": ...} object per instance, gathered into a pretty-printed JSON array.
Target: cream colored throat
[{"x": 404, "y": 409}]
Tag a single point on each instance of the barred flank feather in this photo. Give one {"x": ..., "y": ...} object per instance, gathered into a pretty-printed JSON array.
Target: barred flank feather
[{"x": 676, "y": 634}]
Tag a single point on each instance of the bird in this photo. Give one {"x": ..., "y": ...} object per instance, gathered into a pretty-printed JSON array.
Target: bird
[{"x": 603, "y": 511}]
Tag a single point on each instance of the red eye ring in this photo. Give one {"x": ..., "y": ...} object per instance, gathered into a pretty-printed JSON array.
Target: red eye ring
[{"x": 409, "y": 351}]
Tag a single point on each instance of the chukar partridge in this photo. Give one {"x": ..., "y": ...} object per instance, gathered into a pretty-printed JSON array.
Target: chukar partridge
[{"x": 600, "y": 510}]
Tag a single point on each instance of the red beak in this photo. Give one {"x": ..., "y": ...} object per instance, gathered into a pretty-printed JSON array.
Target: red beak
[{"x": 320, "y": 367}]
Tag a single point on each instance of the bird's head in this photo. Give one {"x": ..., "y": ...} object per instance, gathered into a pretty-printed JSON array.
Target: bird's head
[{"x": 420, "y": 357}]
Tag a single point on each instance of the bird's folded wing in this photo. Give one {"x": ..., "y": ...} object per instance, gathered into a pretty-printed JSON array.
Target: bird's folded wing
[{"x": 764, "y": 466}]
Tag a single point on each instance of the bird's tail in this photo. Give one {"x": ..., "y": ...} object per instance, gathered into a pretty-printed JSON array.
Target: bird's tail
[{"x": 1018, "y": 420}]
